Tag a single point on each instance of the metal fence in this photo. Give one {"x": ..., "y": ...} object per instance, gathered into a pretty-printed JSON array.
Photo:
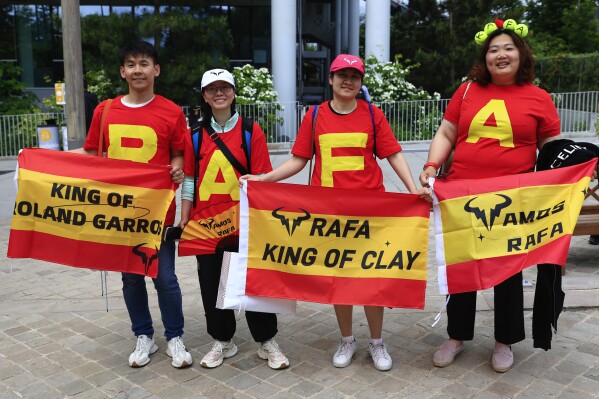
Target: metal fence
[
  {"x": 577, "y": 112},
  {"x": 412, "y": 121},
  {"x": 20, "y": 131}
]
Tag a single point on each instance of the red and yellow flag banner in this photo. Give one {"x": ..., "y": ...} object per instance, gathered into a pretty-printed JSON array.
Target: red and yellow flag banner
[
  {"x": 487, "y": 230},
  {"x": 90, "y": 212},
  {"x": 336, "y": 246}
]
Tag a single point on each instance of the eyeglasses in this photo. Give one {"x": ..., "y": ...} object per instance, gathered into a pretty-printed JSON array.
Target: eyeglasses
[{"x": 213, "y": 90}]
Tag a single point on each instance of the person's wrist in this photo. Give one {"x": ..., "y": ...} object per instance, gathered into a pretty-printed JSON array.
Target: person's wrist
[{"x": 429, "y": 164}]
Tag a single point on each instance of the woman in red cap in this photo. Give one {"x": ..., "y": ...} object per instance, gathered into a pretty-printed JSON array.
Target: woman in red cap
[{"x": 347, "y": 123}]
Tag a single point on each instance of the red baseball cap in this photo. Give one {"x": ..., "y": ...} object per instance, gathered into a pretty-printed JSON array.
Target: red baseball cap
[{"x": 343, "y": 61}]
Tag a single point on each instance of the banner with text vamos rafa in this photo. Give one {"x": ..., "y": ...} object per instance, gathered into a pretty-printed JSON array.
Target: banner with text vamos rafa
[
  {"x": 335, "y": 246},
  {"x": 487, "y": 230},
  {"x": 90, "y": 212}
]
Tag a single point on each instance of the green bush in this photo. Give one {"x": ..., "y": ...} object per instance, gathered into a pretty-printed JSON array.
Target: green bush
[
  {"x": 386, "y": 81},
  {"x": 255, "y": 94},
  {"x": 568, "y": 72}
]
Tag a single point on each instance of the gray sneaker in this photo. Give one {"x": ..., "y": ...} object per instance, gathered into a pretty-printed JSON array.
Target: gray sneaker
[
  {"x": 220, "y": 351},
  {"x": 144, "y": 348},
  {"x": 276, "y": 359}
]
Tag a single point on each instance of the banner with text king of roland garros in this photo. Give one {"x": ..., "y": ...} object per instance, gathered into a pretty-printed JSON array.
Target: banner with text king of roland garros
[
  {"x": 335, "y": 246},
  {"x": 90, "y": 212},
  {"x": 487, "y": 230}
]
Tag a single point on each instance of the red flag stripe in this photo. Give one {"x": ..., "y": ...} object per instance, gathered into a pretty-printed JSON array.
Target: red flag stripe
[
  {"x": 76, "y": 253},
  {"x": 61, "y": 164},
  {"x": 374, "y": 292},
  {"x": 267, "y": 196},
  {"x": 479, "y": 274}
]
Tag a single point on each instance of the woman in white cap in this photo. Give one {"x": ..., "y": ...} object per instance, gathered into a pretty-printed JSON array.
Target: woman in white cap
[
  {"x": 211, "y": 177},
  {"x": 335, "y": 121}
]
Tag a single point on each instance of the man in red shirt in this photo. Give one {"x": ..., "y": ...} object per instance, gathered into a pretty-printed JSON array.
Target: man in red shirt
[{"x": 145, "y": 127}]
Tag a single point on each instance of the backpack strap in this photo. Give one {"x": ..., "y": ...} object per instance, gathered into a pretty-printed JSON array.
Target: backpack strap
[
  {"x": 226, "y": 152},
  {"x": 102, "y": 120},
  {"x": 247, "y": 128},
  {"x": 196, "y": 140},
  {"x": 373, "y": 129},
  {"x": 313, "y": 141}
]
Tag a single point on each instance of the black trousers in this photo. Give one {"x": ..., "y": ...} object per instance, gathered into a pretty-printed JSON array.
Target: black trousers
[
  {"x": 509, "y": 313},
  {"x": 221, "y": 323}
]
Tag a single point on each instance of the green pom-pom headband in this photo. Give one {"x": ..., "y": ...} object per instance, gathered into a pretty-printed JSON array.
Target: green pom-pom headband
[{"x": 520, "y": 29}]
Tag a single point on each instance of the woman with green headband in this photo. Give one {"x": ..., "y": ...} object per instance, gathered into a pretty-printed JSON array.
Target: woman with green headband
[{"x": 494, "y": 123}]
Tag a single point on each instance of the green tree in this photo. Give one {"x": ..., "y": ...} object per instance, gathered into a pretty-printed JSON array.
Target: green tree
[
  {"x": 101, "y": 38},
  {"x": 439, "y": 36},
  {"x": 7, "y": 31},
  {"x": 255, "y": 94},
  {"x": 185, "y": 46},
  {"x": 191, "y": 43},
  {"x": 13, "y": 99},
  {"x": 560, "y": 26},
  {"x": 387, "y": 81}
]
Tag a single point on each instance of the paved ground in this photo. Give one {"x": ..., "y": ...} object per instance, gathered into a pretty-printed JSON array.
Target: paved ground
[{"x": 57, "y": 340}]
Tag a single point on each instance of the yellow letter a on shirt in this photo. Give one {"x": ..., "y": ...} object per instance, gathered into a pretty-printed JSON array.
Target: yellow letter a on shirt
[
  {"x": 210, "y": 183},
  {"x": 500, "y": 130}
]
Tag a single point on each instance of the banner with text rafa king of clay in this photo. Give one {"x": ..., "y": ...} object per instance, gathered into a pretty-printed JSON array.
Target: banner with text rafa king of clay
[{"x": 336, "y": 246}]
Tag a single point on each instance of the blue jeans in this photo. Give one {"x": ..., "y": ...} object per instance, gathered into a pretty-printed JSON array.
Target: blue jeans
[{"x": 169, "y": 297}]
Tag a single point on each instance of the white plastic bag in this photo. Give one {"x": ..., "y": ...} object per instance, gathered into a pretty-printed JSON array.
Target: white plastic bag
[{"x": 231, "y": 291}]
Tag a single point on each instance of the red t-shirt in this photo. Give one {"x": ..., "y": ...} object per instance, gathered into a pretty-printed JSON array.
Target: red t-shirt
[
  {"x": 218, "y": 179},
  {"x": 143, "y": 134},
  {"x": 499, "y": 128},
  {"x": 344, "y": 146}
]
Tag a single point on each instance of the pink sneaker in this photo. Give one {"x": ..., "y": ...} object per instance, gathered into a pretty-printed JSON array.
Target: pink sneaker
[
  {"x": 503, "y": 358},
  {"x": 447, "y": 352}
]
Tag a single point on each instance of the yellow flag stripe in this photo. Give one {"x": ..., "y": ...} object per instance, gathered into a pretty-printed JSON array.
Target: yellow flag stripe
[
  {"x": 339, "y": 246},
  {"x": 55, "y": 204},
  {"x": 536, "y": 216}
]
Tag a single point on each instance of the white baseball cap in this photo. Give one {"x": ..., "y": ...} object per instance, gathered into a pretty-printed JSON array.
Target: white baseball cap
[{"x": 214, "y": 75}]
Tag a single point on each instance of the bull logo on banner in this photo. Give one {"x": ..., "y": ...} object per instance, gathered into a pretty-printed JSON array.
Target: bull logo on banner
[
  {"x": 207, "y": 223},
  {"x": 292, "y": 224},
  {"x": 147, "y": 262},
  {"x": 487, "y": 215}
]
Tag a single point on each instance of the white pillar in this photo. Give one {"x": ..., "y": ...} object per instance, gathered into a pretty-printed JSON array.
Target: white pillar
[
  {"x": 338, "y": 24},
  {"x": 344, "y": 27},
  {"x": 354, "y": 27},
  {"x": 284, "y": 69},
  {"x": 378, "y": 19}
]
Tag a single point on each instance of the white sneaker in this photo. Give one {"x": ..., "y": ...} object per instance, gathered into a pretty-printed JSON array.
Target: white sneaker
[
  {"x": 144, "y": 348},
  {"x": 380, "y": 356},
  {"x": 176, "y": 350},
  {"x": 276, "y": 359},
  {"x": 220, "y": 351},
  {"x": 345, "y": 353}
]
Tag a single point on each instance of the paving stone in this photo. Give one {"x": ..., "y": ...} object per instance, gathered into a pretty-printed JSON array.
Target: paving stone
[
  {"x": 76, "y": 387},
  {"x": 306, "y": 389},
  {"x": 176, "y": 391}
]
